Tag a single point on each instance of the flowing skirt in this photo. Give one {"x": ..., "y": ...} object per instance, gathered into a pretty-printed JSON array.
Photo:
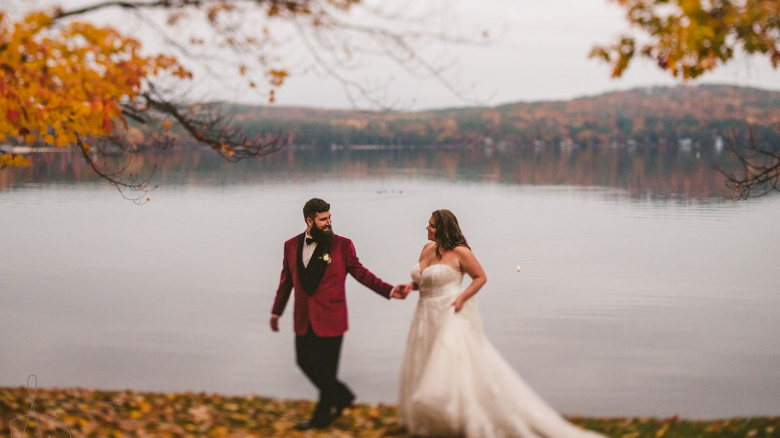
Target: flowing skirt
[{"x": 455, "y": 383}]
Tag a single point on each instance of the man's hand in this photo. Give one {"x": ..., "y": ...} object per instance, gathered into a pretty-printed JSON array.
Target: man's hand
[
  {"x": 275, "y": 323},
  {"x": 400, "y": 291}
]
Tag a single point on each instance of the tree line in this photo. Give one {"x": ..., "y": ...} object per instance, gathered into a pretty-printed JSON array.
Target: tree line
[{"x": 703, "y": 117}]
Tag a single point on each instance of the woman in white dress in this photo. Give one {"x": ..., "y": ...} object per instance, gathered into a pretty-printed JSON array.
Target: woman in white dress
[{"x": 453, "y": 381}]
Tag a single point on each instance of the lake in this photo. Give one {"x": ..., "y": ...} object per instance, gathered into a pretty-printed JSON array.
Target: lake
[{"x": 641, "y": 290}]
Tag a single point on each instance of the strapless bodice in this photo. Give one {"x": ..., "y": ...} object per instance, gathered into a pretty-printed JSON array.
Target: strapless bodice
[{"x": 437, "y": 280}]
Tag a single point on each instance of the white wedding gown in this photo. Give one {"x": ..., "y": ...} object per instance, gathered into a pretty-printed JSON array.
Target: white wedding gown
[{"x": 455, "y": 383}]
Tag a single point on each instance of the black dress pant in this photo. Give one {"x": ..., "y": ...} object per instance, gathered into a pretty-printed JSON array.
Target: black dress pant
[{"x": 318, "y": 357}]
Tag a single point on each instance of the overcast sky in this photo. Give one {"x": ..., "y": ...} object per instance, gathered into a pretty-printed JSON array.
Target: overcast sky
[{"x": 541, "y": 55}]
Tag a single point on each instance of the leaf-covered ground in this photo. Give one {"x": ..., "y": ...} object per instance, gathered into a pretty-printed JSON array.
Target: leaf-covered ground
[{"x": 91, "y": 413}]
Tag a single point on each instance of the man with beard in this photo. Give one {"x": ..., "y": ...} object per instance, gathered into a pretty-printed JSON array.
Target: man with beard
[{"x": 316, "y": 264}]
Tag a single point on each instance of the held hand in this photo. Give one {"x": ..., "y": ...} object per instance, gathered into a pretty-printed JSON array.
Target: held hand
[
  {"x": 399, "y": 292},
  {"x": 458, "y": 304},
  {"x": 275, "y": 323}
]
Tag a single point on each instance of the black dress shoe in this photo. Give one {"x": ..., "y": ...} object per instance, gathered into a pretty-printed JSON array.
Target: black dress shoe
[
  {"x": 320, "y": 420},
  {"x": 340, "y": 406},
  {"x": 308, "y": 425}
]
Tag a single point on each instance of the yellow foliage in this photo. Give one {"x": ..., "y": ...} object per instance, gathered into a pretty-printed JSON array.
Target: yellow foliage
[
  {"x": 11, "y": 160},
  {"x": 64, "y": 81},
  {"x": 219, "y": 431},
  {"x": 145, "y": 407},
  {"x": 62, "y": 140},
  {"x": 688, "y": 38},
  {"x": 276, "y": 77}
]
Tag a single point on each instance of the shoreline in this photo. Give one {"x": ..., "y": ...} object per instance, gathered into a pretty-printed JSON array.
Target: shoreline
[{"x": 100, "y": 413}]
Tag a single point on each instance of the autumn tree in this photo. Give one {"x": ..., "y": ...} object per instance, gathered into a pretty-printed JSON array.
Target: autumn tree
[
  {"x": 688, "y": 38},
  {"x": 68, "y": 82}
]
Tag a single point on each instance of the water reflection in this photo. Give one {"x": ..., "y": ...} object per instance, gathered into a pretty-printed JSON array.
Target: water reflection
[
  {"x": 642, "y": 172},
  {"x": 621, "y": 306}
]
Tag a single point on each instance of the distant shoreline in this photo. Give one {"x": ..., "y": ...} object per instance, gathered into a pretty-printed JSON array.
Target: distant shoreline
[{"x": 704, "y": 117}]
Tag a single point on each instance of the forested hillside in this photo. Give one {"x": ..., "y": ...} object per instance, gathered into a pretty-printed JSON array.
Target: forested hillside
[{"x": 658, "y": 116}]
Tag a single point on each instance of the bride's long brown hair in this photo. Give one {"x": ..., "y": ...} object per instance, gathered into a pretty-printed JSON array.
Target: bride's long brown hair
[{"x": 448, "y": 235}]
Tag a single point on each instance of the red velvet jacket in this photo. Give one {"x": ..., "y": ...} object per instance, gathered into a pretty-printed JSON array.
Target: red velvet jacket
[{"x": 326, "y": 308}]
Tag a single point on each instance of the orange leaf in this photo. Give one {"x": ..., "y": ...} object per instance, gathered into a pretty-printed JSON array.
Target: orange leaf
[
  {"x": 12, "y": 116},
  {"x": 62, "y": 140},
  {"x": 19, "y": 161}
]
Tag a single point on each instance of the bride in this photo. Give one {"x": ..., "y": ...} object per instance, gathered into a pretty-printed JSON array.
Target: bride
[{"x": 453, "y": 381}]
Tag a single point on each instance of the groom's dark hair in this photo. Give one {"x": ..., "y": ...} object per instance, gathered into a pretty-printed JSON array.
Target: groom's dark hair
[{"x": 314, "y": 206}]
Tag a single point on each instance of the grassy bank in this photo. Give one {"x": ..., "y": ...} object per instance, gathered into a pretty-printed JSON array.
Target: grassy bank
[{"x": 91, "y": 413}]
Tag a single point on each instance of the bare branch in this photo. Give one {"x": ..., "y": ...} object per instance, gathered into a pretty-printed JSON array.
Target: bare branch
[
  {"x": 759, "y": 168},
  {"x": 123, "y": 5},
  {"x": 207, "y": 125},
  {"x": 121, "y": 186}
]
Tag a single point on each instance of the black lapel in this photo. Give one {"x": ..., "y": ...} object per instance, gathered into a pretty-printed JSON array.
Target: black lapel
[{"x": 315, "y": 270}]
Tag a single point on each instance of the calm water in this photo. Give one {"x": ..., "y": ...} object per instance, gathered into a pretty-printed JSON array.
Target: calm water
[{"x": 640, "y": 291}]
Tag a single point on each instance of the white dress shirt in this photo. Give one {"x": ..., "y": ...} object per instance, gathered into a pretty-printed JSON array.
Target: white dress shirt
[{"x": 308, "y": 250}]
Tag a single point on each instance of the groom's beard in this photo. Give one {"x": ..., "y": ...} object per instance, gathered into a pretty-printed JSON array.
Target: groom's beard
[{"x": 320, "y": 235}]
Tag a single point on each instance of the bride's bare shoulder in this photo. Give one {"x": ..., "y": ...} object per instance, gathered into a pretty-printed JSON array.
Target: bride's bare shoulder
[
  {"x": 463, "y": 253},
  {"x": 427, "y": 249},
  {"x": 462, "y": 250}
]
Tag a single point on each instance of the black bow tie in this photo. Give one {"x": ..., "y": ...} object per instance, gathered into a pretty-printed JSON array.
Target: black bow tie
[{"x": 309, "y": 240}]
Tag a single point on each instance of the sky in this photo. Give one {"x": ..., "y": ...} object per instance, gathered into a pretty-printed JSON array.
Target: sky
[{"x": 538, "y": 51}]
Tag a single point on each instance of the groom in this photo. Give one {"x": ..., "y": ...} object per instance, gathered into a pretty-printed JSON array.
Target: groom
[{"x": 315, "y": 264}]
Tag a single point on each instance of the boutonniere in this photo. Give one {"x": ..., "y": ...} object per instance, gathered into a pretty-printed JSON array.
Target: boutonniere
[{"x": 326, "y": 258}]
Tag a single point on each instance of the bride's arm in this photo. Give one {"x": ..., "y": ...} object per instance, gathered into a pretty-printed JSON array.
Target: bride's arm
[{"x": 470, "y": 265}]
